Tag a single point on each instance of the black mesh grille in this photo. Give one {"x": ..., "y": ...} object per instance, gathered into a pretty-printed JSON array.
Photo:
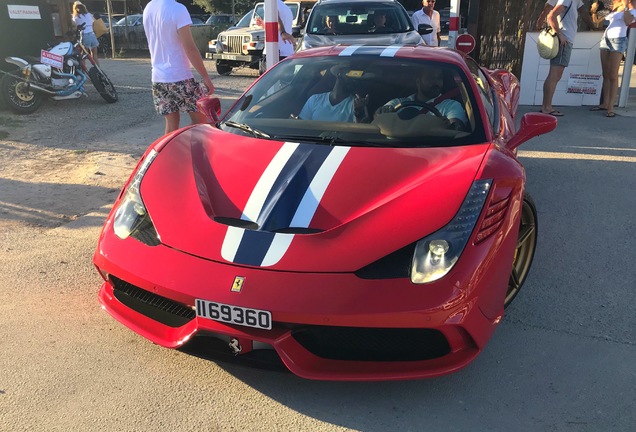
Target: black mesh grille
[
  {"x": 372, "y": 344},
  {"x": 146, "y": 233},
  {"x": 153, "y": 306},
  {"x": 393, "y": 266}
]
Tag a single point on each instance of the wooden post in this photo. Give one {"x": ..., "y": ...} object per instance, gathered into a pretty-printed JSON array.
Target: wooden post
[{"x": 109, "y": 9}]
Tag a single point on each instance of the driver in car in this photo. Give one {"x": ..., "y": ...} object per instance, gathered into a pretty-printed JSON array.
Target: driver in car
[
  {"x": 341, "y": 104},
  {"x": 429, "y": 87}
]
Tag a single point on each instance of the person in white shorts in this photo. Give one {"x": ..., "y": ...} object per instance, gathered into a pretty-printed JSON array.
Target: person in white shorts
[{"x": 81, "y": 16}]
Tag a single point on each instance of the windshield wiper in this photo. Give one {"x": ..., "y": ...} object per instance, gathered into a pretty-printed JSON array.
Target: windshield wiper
[
  {"x": 247, "y": 128},
  {"x": 327, "y": 139}
]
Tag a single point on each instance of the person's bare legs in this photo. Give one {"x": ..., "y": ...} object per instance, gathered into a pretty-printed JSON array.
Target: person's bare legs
[
  {"x": 172, "y": 121},
  {"x": 614, "y": 63},
  {"x": 198, "y": 117},
  {"x": 549, "y": 87},
  {"x": 605, "y": 61},
  {"x": 95, "y": 55}
]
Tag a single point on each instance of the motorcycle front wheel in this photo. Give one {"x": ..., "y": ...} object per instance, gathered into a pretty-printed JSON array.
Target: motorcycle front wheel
[
  {"x": 19, "y": 97},
  {"x": 103, "y": 85}
]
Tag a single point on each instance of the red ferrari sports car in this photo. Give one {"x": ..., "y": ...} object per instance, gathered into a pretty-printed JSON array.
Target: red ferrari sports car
[{"x": 358, "y": 214}]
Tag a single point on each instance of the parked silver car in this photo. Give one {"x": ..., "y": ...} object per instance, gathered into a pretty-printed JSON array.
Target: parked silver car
[{"x": 359, "y": 22}]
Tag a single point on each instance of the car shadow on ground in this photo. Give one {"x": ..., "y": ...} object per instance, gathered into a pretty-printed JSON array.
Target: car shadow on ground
[{"x": 49, "y": 205}]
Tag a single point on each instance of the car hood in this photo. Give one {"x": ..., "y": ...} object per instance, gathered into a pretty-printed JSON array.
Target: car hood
[
  {"x": 314, "y": 40},
  {"x": 234, "y": 31},
  {"x": 300, "y": 206}
]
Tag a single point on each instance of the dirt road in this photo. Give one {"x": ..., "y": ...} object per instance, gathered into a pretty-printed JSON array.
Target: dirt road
[
  {"x": 563, "y": 359},
  {"x": 73, "y": 156}
]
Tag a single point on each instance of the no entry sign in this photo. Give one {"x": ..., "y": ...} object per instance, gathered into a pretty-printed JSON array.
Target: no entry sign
[{"x": 465, "y": 43}]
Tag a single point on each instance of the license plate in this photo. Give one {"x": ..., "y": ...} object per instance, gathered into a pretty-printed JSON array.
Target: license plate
[
  {"x": 227, "y": 56},
  {"x": 234, "y": 314}
]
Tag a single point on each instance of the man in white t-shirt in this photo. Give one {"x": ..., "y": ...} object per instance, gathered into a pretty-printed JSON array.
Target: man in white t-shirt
[
  {"x": 341, "y": 104},
  {"x": 172, "y": 51},
  {"x": 285, "y": 23},
  {"x": 286, "y": 42},
  {"x": 564, "y": 18},
  {"x": 428, "y": 15}
]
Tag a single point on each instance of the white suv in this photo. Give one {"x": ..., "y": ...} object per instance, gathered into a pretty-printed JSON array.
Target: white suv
[
  {"x": 243, "y": 47},
  {"x": 356, "y": 24}
]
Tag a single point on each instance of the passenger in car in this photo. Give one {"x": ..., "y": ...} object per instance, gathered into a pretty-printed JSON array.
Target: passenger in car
[
  {"x": 331, "y": 22},
  {"x": 429, "y": 84},
  {"x": 378, "y": 24},
  {"x": 341, "y": 104}
]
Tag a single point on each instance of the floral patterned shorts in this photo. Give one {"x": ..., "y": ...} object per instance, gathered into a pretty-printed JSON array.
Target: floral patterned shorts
[{"x": 179, "y": 96}]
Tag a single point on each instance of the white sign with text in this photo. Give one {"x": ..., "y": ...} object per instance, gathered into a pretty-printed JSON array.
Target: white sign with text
[
  {"x": 48, "y": 58},
  {"x": 24, "y": 12}
]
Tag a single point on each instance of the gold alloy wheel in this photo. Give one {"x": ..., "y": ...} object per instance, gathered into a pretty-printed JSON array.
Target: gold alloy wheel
[
  {"x": 524, "y": 253},
  {"x": 22, "y": 91}
]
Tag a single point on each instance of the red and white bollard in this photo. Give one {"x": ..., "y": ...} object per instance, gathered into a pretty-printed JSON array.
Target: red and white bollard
[
  {"x": 271, "y": 33},
  {"x": 453, "y": 25}
]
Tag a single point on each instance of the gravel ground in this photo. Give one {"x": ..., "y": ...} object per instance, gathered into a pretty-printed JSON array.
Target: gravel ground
[{"x": 71, "y": 157}]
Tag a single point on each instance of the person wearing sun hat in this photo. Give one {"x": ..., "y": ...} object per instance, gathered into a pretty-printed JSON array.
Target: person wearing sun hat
[{"x": 81, "y": 16}]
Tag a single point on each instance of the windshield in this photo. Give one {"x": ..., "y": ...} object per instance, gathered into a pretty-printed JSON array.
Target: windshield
[
  {"x": 355, "y": 18},
  {"x": 132, "y": 19},
  {"x": 219, "y": 19},
  {"x": 260, "y": 10},
  {"x": 349, "y": 101},
  {"x": 245, "y": 21}
]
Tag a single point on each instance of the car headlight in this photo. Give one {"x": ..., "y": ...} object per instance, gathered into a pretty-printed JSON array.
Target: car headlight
[
  {"x": 436, "y": 254},
  {"x": 247, "y": 39},
  {"x": 222, "y": 38},
  {"x": 131, "y": 212}
]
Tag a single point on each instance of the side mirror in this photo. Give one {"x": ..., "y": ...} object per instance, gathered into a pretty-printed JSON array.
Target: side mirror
[
  {"x": 532, "y": 125},
  {"x": 296, "y": 32},
  {"x": 211, "y": 107},
  {"x": 424, "y": 29}
]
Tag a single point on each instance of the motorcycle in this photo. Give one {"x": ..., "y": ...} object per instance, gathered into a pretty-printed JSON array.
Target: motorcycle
[{"x": 60, "y": 74}]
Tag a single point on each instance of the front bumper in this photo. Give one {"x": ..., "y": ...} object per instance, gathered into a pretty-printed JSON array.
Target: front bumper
[{"x": 326, "y": 326}]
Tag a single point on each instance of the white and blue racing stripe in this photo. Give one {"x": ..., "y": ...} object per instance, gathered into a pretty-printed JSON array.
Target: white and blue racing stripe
[
  {"x": 390, "y": 51},
  {"x": 349, "y": 50},
  {"x": 287, "y": 195},
  {"x": 356, "y": 50}
]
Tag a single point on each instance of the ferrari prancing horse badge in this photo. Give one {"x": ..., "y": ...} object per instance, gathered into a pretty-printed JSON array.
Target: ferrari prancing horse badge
[{"x": 238, "y": 284}]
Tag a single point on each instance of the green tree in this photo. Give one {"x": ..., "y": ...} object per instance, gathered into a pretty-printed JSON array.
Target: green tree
[{"x": 225, "y": 6}]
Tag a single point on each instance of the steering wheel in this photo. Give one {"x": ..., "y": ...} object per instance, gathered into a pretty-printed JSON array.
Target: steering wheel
[{"x": 423, "y": 105}]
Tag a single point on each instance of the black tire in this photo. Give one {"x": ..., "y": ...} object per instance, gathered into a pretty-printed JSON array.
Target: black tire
[
  {"x": 17, "y": 97},
  {"x": 223, "y": 68},
  {"x": 262, "y": 66},
  {"x": 526, "y": 246},
  {"x": 103, "y": 85},
  {"x": 104, "y": 44}
]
